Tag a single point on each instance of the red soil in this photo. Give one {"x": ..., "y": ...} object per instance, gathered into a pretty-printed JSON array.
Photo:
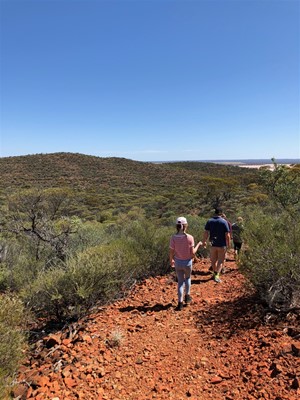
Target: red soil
[{"x": 222, "y": 346}]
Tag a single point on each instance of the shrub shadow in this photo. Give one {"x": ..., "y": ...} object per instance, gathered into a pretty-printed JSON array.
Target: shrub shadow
[
  {"x": 144, "y": 308},
  {"x": 201, "y": 273},
  {"x": 200, "y": 281}
]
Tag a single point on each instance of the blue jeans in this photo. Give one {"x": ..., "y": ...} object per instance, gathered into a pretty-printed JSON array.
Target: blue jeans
[{"x": 183, "y": 273}]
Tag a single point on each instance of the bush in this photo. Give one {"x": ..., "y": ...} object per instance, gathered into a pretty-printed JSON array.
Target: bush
[
  {"x": 50, "y": 294},
  {"x": 100, "y": 273},
  {"x": 150, "y": 244},
  {"x": 93, "y": 275},
  {"x": 271, "y": 260},
  {"x": 20, "y": 266},
  {"x": 89, "y": 234},
  {"x": 12, "y": 340}
]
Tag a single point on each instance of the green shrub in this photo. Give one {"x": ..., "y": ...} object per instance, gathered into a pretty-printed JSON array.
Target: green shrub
[
  {"x": 150, "y": 243},
  {"x": 50, "y": 294},
  {"x": 95, "y": 275},
  {"x": 100, "y": 273},
  {"x": 283, "y": 186},
  {"x": 271, "y": 260},
  {"x": 12, "y": 340},
  {"x": 89, "y": 234},
  {"x": 20, "y": 266}
]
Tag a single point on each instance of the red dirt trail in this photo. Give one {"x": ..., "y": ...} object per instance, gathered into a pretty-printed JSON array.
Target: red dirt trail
[{"x": 222, "y": 346}]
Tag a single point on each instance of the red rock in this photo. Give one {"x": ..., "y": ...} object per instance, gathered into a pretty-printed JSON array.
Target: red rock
[
  {"x": 66, "y": 342},
  {"x": 216, "y": 379},
  {"x": 55, "y": 386},
  {"x": 43, "y": 381},
  {"x": 20, "y": 391},
  {"x": 29, "y": 392},
  {"x": 51, "y": 341},
  {"x": 40, "y": 396},
  {"x": 70, "y": 382},
  {"x": 118, "y": 375},
  {"x": 87, "y": 338}
]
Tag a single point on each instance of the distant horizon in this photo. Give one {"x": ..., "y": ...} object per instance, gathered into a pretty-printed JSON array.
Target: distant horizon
[
  {"x": 254, "y": 161},
  {"x": 243, "y": 159},
  {"x": 283, "y": 160}
]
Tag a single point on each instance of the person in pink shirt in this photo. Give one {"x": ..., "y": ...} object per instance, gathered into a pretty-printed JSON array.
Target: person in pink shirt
[{"x": 182, "y": 252}]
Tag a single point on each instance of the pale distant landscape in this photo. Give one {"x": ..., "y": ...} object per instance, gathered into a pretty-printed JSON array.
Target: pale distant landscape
[
  {"x": 248, "y": 163},
  {"x": 258, "y": 163}
]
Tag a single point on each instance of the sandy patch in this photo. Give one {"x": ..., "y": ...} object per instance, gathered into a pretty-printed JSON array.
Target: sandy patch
[{"x": 257, "y": 166}]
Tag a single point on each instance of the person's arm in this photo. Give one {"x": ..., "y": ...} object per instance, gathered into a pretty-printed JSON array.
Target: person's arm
[
  {"x": 230, "y": 230},
  {"x": 227, "y": 235},
  {"x": 171, "y": 257},
  {"x": 194, "y": 249},
  {"x": 205, "y": 237}
]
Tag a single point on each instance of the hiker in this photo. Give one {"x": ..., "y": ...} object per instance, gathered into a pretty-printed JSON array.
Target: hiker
[
  {"x": 182, "y": 252},
  {"x": 229, "y": 224},
  {"x": 237, "y": 231},
  {"x": 218, "y": 233},
  {"x": 223, "y": 271}
]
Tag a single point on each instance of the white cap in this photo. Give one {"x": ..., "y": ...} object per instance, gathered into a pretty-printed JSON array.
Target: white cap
[{"x": 181, "y": 220}]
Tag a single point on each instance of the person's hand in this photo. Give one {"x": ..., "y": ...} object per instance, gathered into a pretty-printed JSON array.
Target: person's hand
[{"x": 172, "y": 264}]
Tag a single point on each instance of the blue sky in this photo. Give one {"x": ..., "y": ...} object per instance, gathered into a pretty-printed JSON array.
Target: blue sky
[{"x": 150, "y": 80}]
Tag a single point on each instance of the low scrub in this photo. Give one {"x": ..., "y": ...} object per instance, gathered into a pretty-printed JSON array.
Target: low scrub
[
  {"x": 271, "y": 260},
  {"x": 12, "y": 340},
  {"x": 99, "y": 274}
]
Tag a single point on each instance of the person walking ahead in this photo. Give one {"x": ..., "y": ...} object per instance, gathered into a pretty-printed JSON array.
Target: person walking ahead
[
  {"x": 218, "y": 232},
  {"x": 237, "y": 236},
  {"x": 182, "y": 252}
]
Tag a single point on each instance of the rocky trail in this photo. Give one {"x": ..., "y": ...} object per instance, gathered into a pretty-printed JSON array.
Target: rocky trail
[{"x": 222, "y": 346}]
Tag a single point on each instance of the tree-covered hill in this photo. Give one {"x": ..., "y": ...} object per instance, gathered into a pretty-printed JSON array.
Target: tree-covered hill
[
  {"x": 118, "y": 184},
  {"x": 78, "y": 170}
]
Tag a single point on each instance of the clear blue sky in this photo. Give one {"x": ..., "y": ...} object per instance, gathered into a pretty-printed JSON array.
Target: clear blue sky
[{"x": 151, "y": 80}]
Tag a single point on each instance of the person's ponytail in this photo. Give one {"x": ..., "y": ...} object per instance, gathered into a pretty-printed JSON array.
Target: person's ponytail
[{"x": 179, "y": 226}]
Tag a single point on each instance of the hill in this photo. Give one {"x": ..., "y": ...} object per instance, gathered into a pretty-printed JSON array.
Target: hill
[
  {"x": 118, "y": 184},
  {"x": 78, "y": 170}
]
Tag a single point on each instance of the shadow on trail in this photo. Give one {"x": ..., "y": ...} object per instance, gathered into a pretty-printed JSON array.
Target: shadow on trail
[
  {"x": 200, "y": 281},
  {"x": 201, "y": 273},
  {"x": 229, "y": 318},
  {"x": 144, "y": 308},
  {"x": 198, "y": 273}
]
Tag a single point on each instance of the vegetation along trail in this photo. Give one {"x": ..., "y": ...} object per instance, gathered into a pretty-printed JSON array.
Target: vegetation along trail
[{"x": 222, "y": 346}]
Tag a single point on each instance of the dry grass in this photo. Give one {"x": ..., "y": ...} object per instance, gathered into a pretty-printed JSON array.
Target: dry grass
[{"x": 116, "y": 338}]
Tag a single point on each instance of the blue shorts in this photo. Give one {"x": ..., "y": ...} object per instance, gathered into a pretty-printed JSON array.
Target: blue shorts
[{"x": 183, "y": 263}]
